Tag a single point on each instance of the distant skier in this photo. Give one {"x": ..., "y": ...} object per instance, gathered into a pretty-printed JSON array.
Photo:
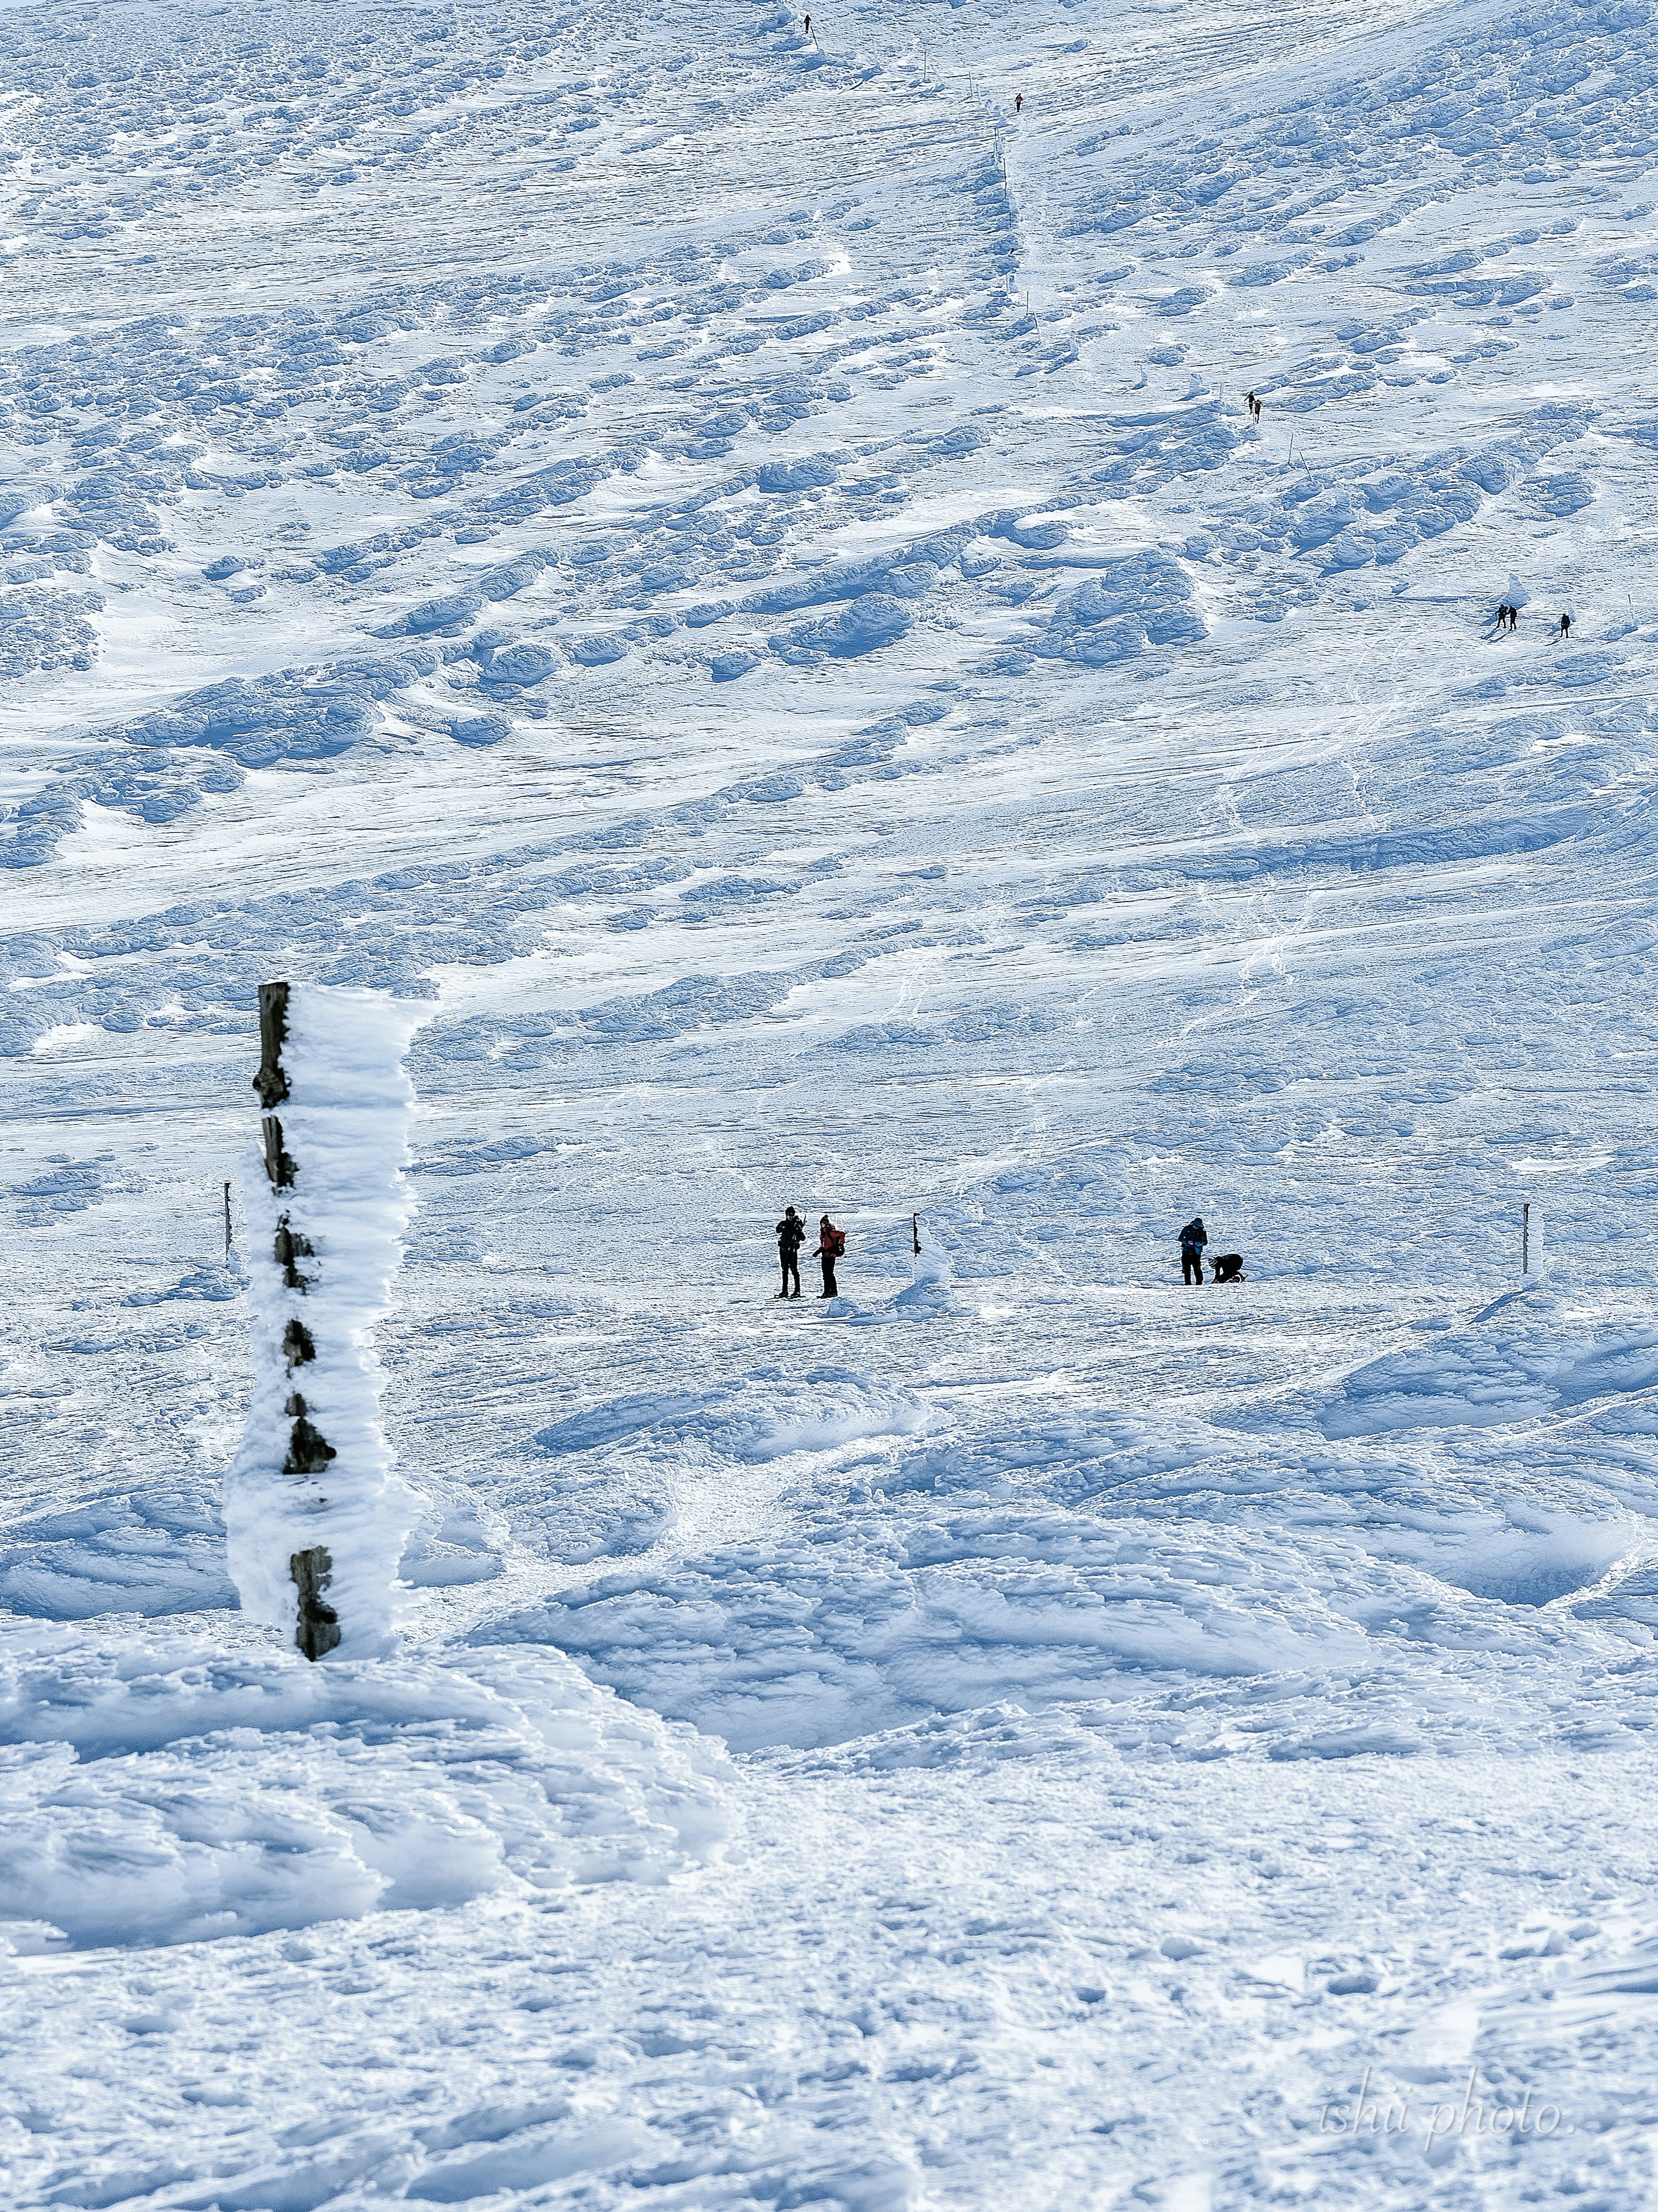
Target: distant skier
[
  {"x": 831, "y": 1244},
  {"x": 1193, "y": 1238},
  {"x": 791, "y": 1235}
]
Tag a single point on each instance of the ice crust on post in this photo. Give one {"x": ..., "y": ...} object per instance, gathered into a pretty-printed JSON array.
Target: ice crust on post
[{"x": 314, "y": 1473}]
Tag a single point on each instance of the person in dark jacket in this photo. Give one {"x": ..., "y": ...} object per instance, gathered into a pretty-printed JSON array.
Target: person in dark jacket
[
  {"x": 791, "y": 1235},
  {"x": 831, "y": 1243},
  {"x": 1193, "y": 1238}
]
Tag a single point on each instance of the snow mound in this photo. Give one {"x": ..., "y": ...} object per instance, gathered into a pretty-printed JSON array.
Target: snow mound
[
  {"x": 1479, "y": 1379},
  {"x": 929, "y": 1290},
  {"x": 750, "y": 1420},
  {"x": 170, "y": 1794}
]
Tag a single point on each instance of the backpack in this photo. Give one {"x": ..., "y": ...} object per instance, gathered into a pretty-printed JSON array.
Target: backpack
[{"x": 836, "y": 1241}]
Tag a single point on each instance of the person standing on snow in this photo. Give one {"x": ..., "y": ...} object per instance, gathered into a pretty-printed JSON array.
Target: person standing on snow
[
  {"x": 1018, "y": 103},
  {"x": 791, "y": 1235},
  {"x": 1565, "y": 625},
  {"x": 1193, "y": 1238},
  {"x": 831, "y": 1243}
]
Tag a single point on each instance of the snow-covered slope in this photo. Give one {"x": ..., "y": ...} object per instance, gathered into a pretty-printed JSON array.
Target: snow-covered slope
[{"x": 737, "y": 568}]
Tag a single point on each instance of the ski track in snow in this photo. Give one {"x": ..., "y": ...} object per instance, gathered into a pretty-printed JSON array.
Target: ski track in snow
[{"x": 737, "y": 573}]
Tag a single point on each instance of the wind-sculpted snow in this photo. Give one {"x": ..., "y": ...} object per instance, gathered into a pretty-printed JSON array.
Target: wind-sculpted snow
[
  {"x": 132, "y": 1820},
  {"x": 1494, "y": 1374},
  {"x": 738, "y": 571}
]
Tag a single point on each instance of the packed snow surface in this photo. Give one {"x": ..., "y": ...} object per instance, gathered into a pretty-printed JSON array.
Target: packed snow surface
[{"x": 728, "y": 582}]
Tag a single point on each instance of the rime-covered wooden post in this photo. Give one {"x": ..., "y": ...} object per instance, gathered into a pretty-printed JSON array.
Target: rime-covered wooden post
[{"x": 315, "y": 1519}]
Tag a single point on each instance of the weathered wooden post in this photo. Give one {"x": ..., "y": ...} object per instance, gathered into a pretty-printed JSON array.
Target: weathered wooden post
[{"x": 315, "y": 1519}]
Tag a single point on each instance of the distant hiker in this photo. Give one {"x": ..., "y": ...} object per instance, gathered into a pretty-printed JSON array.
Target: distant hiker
[
  {"x": 1503, "y": 616},
  {"x": 831, "y": 1243},
  {"x": 809, "y": 27},
  {"x": 791, "y": 1235},
  {"x": 1565, "y": 625},
  {"x": 1514, "y": 617},
  {"x": 1257, "y": 410},
  {"x": 1193, "y": 1238},
  {"x": 1250, "y": 401},
  {"x": 1018, "y": 102}
]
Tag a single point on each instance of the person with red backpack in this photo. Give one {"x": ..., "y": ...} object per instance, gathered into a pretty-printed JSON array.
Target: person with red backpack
[{"x": 831, "y": 1243}]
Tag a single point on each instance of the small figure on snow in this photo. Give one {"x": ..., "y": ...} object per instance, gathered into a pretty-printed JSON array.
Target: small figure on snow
[
  {"x": 1228, "y": 1267},
  {"x": 809, "y": 27},
  {"x": 1503, "y": 616},
  {"x": 831, "y": 1243},
  {"x": 1256, "y": 404},
  {"x": 1565, "y": 625},
  {"x": 1018, "y": 102},
  {"x": 1514, "y": 617},
  {"x": 1193, "y": 1238},
  {"x": 791, "y": 1235}
]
